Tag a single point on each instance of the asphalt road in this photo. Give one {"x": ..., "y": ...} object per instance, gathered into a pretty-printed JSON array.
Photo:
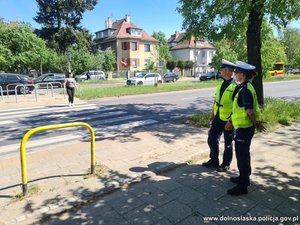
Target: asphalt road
[{"x": 115, "y": 116}]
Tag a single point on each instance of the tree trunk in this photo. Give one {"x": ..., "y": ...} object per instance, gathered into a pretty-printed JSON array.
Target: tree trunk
[{"x": 254, "y": 46}]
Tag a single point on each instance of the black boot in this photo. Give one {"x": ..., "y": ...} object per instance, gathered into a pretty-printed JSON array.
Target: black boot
[
  {"x": 223, "y": 168},
  {"x": 211, "y": 163},
  {"x": 238, "y": 190},
  {"x": 236, "y": 180}
]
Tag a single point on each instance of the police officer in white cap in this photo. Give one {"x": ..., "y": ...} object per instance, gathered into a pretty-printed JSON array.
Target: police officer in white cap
[
  {"x": 245, "y": 116},
  {"x": 220, "y": 115}
]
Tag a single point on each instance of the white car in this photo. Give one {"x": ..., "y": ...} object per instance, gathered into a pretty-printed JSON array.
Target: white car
[
  {"x": 145, "y": 79},
  {"x": 91, "y": 75}
]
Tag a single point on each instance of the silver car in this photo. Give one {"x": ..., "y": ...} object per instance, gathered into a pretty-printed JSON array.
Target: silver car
[
  {"x": 145, "y": 79},
  {"x": 91, "y": 75}
]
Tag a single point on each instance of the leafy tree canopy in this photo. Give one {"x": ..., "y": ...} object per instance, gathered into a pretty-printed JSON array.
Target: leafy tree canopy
[
  {"x": 290, "y": 38},
  {"x": 60, "y": 20},
  {"x": 233, "y": 18},
  {"x": 164, "y": 53}
]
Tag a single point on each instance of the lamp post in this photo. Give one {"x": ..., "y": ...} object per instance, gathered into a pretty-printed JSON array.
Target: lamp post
[{"x": 69, "y": 61}]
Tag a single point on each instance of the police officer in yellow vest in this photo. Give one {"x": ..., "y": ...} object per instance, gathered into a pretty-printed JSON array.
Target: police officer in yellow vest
[
  {"x": 220, "y": 115},
  {"x": 245, "y": 118}
]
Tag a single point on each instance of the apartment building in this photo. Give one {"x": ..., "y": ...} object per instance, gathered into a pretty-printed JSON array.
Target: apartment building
[
  {"x": 197, "y": 50},
  {"x": 134, "y": 48}
]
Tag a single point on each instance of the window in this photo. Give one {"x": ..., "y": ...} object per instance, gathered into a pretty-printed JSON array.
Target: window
[
  {"x": 135, "y": 32},
  {"x": 2, "y": 79},
  {"x": 199, "y": 43},
  {"x": 12, "y": 79},
  {"x": 134, "y": 63},
  {"x": 203, "y": 54},
  {"x": 125, "y": 45},
  {"x": 49, "y": 78},
  {"x": 133, "y": 46},
  {"x": 147, "y": 47},
  {"x": 150, "y": 75},
  {"x": 211, "y": 54}
]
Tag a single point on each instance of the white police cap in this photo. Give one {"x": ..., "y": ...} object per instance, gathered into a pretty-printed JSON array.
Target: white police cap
[
  {"x": 228, "y": 64},
  {"x": 244, "y": 67}
]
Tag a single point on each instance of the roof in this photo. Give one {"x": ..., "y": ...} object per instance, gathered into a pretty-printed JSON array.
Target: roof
[
  {"x": 121, "y": 27},
  {"x": 182, "y": 43}
]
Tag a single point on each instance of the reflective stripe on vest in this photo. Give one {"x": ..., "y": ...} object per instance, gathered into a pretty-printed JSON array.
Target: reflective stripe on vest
[
  {"x": 224, "y": 105},
  {"x": 240, "y": 118}
]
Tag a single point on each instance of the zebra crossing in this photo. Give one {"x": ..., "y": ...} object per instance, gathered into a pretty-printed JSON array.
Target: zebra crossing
[{"x": 106, "y": 122}]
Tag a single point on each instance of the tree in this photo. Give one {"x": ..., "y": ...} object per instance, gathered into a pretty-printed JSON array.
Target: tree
[
  {"x": 224, "y": 51},
  {"x": 233, "y": 18},
  {"x": 20, "y": 48},
  {"x": 181, "y": 66},
  {"x": 171, "y": 65},
  {"x": 163, "y": 48},
  {"x": 290, "y": 37},
  {"x": 60, "y": 21},
  {"x": 188, "y": 64},
  {"x": 272, "y": 50}
]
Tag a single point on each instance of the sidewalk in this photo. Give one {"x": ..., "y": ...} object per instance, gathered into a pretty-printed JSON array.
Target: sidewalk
[
  {"x": 143, "y": 178},
  {"x": 9, "y": 102}
]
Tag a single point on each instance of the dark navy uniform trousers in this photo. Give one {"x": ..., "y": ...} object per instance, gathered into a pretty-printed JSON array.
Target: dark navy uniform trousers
[
  {"x": 214, "y": 134},
  {"x": 243, "y": 137}
]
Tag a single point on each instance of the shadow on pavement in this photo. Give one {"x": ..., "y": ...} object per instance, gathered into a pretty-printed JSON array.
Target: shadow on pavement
[{"x": 182, "y": 196}]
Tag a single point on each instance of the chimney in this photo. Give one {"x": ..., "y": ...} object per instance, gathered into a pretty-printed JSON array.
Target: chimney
[
  {"x": 127, "y": 18},
  {"x": 109, "y": 22},
  {"x": 176, "y": 34},
  {"x": 106, "y": 24}
]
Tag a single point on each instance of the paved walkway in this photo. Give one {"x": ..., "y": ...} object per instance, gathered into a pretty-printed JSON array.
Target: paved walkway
[{"x": 153, "y": 177}]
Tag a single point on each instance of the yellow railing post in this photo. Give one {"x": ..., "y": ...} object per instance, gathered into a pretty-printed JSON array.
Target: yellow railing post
[{"x": 52, "y": 127}]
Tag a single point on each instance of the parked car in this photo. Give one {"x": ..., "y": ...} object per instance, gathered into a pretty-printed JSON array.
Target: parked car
[
  {"x": 170, "y": 76},
  {"x": 211, "y": 75},
  {"x": 91, "y": 75},
  {"x": 11, "y": 80},
  {"x": 145, "y": 79},
  {"x": 56, "y": 78},
  {"x": 296, "y": 72}
]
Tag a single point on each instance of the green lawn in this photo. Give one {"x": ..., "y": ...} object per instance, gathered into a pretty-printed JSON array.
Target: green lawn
[
  {"x": 87, "y": 92},
  {"x": 91, "y": 93}
]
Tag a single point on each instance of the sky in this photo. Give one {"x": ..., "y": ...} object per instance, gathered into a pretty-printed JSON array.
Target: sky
[{"x": 150, "y": 15}]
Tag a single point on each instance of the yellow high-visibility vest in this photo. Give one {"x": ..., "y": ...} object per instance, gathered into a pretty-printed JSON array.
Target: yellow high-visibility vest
[
  {"x": 224, "y": 105},
  {"x": 240, "y": 118}
]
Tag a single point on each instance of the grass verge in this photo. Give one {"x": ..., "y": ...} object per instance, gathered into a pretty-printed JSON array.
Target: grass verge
[
  {"x": 32, "y": 190},
  {"x": 275, "y": 111},
  {"x": 87, "y": 92},
  {"x": 91, "y": 93}
]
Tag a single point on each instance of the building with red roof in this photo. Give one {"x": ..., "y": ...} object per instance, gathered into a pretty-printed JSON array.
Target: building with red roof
[
  {"x": 135, "y": 49},
  {"x": 197, "y": 50}
]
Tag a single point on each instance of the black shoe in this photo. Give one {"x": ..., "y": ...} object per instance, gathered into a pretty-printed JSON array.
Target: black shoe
[
  {"x": 210, "y": 163},
  {"x": 223, "y": 168},
  {"x": 236, "y": 180},
  {"x": 238, "y": 190}
]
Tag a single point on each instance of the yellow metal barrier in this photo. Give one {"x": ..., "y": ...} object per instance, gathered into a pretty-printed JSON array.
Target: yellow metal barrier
[{"x": 52, "y": 127}]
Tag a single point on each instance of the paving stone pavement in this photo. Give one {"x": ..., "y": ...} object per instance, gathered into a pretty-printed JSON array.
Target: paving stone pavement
[{"x": 144, "y": 179}]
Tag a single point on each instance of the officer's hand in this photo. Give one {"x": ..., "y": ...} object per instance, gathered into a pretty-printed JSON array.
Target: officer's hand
[
  {"x": 260, "y": 126},
  {"x": 228, "y": 126}
]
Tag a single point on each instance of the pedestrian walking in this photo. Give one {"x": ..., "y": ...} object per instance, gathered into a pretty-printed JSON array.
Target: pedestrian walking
[
  {"x": 70, "y": 85},
  {"x": 221, "y": 113},
  {"x": 245, "y": 118}
]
